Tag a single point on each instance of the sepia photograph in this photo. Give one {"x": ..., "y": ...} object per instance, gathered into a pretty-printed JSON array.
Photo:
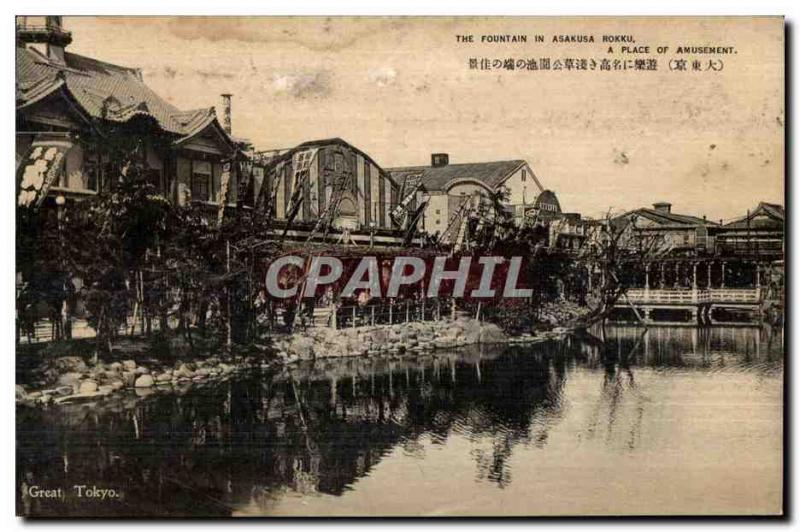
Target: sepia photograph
[{"x": 399, "y": 266}]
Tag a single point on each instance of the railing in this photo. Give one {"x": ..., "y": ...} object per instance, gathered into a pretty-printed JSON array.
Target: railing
[
  {"x": 755, "y": 247},
  {"x": 693, "y": 297},
  {"x": 43, "y": 28},
  {"x": 678, "y": 296},
  {"x": 348, "y": 316},
  {"x": 735, "y": 295},
  {"x": 404, "y": 312}
]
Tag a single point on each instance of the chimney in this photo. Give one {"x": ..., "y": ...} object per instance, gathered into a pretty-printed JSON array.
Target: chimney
[
  {"x": 45, "y": 34},
  {"x": 439, "y": 159},
  {"x": 226, "y": 112},
  {"x": 663, "y": 206}
]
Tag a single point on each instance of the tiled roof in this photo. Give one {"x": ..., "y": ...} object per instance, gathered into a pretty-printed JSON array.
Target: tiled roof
[
  {"x": 103, "y": 90},
  {"x": 668, "y": 218},
  {"x": 671, "y": 217},
  {"x": 774, "y": 211},
  {"x": 287, "y": 153},
  {"x": 437, "y": 177}
]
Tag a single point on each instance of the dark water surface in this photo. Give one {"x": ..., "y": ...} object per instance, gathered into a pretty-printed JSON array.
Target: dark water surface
[{"x": 666, "y": 421}]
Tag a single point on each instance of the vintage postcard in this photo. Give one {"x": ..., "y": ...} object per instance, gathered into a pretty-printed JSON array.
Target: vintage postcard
[{"x": 399, "y": 266}]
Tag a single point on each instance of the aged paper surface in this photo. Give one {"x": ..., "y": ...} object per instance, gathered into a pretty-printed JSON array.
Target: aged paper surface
[{"x": 228, "y": 235}]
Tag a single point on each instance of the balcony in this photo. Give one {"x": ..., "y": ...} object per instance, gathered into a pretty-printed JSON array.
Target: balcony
[{"x": 44, "y": 33}]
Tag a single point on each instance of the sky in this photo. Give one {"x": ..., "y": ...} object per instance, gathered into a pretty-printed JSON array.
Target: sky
[{"x": 710, "y": 142}]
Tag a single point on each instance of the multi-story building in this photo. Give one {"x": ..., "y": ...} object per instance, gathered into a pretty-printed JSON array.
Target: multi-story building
[
  {"x": 447, "y": 186},
  {"x": 760, "y": 233},
  {"x": 757, "y": 235},
  {"x": 332, "y": 182},
  {"x": 72, "y": 108},
  {"x": 71, "y": 111},
  {"x": 669, "y": 232}
]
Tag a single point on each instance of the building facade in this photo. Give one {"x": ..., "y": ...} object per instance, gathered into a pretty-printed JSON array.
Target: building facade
[
  {"x": 757, "y": 235},
  {"x": 71, "y": 109},
  {"x": 324, "y": 185},
  {"x": 448, "y": 186},
  {"x": 661, "y": 229},
  {"x": 760, "y": 233}
]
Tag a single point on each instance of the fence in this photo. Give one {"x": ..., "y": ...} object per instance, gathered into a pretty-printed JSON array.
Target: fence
[
  {"x": 348, "y": 316},
  {"x": 694, "y": 297},
  {"x": 403, "y": 312},
  {"x": 42, "y": 330}
]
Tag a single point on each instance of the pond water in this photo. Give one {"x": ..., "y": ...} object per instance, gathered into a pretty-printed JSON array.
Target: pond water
[{"x": 670, "y": 420}]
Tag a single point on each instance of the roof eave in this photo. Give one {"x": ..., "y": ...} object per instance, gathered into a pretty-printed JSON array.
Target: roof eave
[
  {"x": 57, "y": 84},
  {"x": 212, "y": 122}
]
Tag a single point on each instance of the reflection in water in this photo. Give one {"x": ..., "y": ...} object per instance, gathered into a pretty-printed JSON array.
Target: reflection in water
[{"x": 317, "y": 432}]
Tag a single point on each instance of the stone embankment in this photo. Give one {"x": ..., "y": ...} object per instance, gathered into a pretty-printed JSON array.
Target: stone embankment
[
  {"x": 71, "y": 379},
  {"x": 414, "y": 337}
]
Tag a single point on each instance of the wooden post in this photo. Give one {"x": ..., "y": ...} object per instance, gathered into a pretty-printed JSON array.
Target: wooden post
[
  {"x": 647, "y": 276},
  {"x": 354, "y": 317},
  {"x": 390, "y": 313},
  {"x": 589, "y": 278},
  {"x": 694, "y": 276},
  {"x": 229, "y": 339},
  {"x": 708, "y": 281},
  {"x": 407, "y": 314},
  {"x": 372, "y": 317},
  {"x": 722, "y": 282}
]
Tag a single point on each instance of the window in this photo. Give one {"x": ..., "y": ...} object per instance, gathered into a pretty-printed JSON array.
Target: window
[
  {"x": 201, "y": 180},
  {"x": 216, "y": 176},
  {"x": 524, "y": 175},
  {"x": 438, "y": 211},
  {"x": 97, "y": 168},
  {"x": 92, "y": 167}
]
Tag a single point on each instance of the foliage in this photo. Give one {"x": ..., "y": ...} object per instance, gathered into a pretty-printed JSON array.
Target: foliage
[{"x": 137, "y": 255}]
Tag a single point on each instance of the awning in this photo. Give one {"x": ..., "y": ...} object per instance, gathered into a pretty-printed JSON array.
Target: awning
[{"x": 40, "y": 168}]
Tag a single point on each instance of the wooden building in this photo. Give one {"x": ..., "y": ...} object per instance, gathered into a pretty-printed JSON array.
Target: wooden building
[
  {"x": 328, "y": 184},
  {"x": 71, "y": 108},
  {"x": 672, "y": 232},
  {"x": 759, "y": 233},
  {"x": 447, "y": 186}
]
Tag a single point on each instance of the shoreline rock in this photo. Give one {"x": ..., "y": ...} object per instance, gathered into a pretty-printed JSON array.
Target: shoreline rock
[{"x": 70, "y": 379}]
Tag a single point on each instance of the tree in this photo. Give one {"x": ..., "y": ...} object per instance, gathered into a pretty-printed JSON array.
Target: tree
[{"x": 616, "y": 252}]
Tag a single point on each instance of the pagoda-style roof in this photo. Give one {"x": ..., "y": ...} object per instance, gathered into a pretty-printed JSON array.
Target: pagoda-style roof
[
  {"x": 764, "y": 216},
  {"x": 105, "y": 91}
]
